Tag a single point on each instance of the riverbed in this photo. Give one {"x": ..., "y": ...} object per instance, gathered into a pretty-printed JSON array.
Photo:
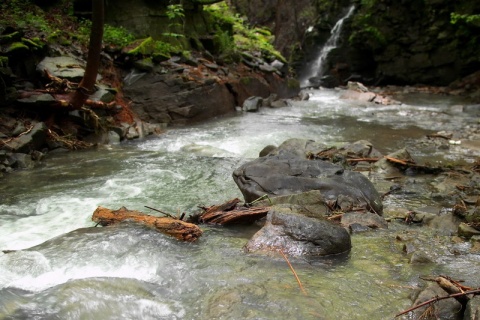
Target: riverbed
[{"x": 66, "y": 268}]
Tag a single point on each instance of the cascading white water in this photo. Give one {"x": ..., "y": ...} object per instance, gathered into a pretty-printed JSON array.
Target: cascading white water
[{"x": 317, "y": 67}]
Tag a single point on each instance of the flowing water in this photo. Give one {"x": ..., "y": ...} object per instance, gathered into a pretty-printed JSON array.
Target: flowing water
[
  {"x": 316, "y": 69},
  {"x": 73, "y": 270}
]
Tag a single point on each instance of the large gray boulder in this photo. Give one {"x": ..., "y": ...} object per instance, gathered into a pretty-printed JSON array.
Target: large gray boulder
[
  {"x": 287, "y": 172},
  {"x": 296, "y": 234}
]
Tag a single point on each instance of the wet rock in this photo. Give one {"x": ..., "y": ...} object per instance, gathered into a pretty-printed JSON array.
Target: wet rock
[
  {"x": 252, "y": 104},
  {"x": 310, "y": 203},
  {"x": 132, "y": 133},
  {"x": 286, "y": 172},
  {"x": 366, "y": 219},
  {"x": 356, "y": 86},
  {"x": 22, "y": 161},
  {"x": 62, "y": 67},
  {"x": 357, "y": 228},
  {"x": 297, "y": 235},
  {"x": 104, "y": 94},
  {"x": 269, "y": 100},
  {"x": 472, "y": 311},
  {"x": 146, "y": 65},
  {"x": 386, "y": 167},
  {"x": 30, "y": 141},
  {"x": 265, "y": 151},
  {"x": 230, "y": 301},
  {"x": 445, "y": 224},
  {"x": 265, "y": 67},
  {"x": 466, "y": 231},
  {"x": 299, "y": 147},
  {"x": 409, "y": 248},
  {"x": 360, "y": 96},
  {"x": 303, "y": 95},
  {"x": 280, "y": 103},
  {"x": 361, "y": 149},
  {"x": 277, "y": 65},
  {"x": 444, "y": 309},
  {"x": 42, "y": 99},
  {"x": 419, "y": 257}
]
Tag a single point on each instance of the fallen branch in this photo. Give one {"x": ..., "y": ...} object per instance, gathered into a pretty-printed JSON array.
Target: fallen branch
[
  {"x": 230, "y": 213},
  {"x": 179, "y": 229},
  {"x": 405, "y": 164},
  {"x": 436, "y": 299},
  {"x": 237, "y": 216},
  {"x": 363, "y": 159},
  {"x": 337, "y": 216},
  {"x": 400, "y": 161}
]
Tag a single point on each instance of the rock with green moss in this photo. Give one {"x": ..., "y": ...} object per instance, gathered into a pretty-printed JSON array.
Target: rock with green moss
[
  {"x": 11, "y": 37},
  {"x": 17, "y": 48},
  {"x": 144, "y": 47}
]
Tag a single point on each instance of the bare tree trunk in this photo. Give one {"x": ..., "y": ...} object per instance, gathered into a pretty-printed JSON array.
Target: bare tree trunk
[{"x": 86, "y": 86}]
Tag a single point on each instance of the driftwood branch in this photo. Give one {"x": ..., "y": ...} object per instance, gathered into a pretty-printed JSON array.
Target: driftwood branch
[
  {"x": 179, "y": 229},
  {"x": 230, "y": 213}
]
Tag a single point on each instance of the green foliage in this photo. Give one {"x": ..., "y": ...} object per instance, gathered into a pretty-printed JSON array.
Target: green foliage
[
  {"x": 469, "y": 19},
  {"x": 244, "y": 38},
  {"x": 175, "y": 11},
  {"x": 176, "y": 15},
  {"x": 23, "y": 15},
  {"x": 224, "y": 41},
  {"x": 117, "y": 36},
  {"x": 114, "y": 36},
  {"x": 151, "y": 47},
  {"x": 366, "y": 27},
  {"x": 467, "y": 29}
]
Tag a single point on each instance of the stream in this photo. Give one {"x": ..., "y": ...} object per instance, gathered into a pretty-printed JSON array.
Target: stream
[{"x": 73, "y": 270}]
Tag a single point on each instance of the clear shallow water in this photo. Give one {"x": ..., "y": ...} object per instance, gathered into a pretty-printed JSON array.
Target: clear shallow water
[{"x": 132, "y": 272}]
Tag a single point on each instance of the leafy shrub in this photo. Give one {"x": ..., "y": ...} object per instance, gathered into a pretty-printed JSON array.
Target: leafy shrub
[{"x": 115, "y": 36}]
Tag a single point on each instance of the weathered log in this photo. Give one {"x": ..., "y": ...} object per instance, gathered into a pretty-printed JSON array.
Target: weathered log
[
  {"x": 179, "y": 229},
  {"x": 229, "y": 213}
]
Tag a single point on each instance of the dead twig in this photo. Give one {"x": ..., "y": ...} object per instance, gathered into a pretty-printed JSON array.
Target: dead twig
[
  {"x": 455, "y": 295},
  {"x": 337, "y": 216},
  {"x": 363, "y": 159},
  {"x": 162, "y": 212},
  {"x": 294, "y": 273}
]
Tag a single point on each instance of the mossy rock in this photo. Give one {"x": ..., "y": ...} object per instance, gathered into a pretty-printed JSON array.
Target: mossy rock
[
  {"x": 34, "y": 44},
  {"x": 11, "y": 37},
  {"x": 144, "y": 47},
  {"x": 17, "y": 48},
  {"x": 3, "y": 62}
]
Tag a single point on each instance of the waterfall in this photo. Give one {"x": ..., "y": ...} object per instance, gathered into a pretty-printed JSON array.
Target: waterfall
[{"x": 317, "y": 68}]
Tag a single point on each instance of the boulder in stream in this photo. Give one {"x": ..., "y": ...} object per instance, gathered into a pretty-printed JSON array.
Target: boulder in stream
[
  {"x": 296, "y": 234},
  {"x": 287, "y": 171}
]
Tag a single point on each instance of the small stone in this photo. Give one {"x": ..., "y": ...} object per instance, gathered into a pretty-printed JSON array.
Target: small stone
[
  {"x": 419, "y": 257},
  {"x": 464, "y": 230}
]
